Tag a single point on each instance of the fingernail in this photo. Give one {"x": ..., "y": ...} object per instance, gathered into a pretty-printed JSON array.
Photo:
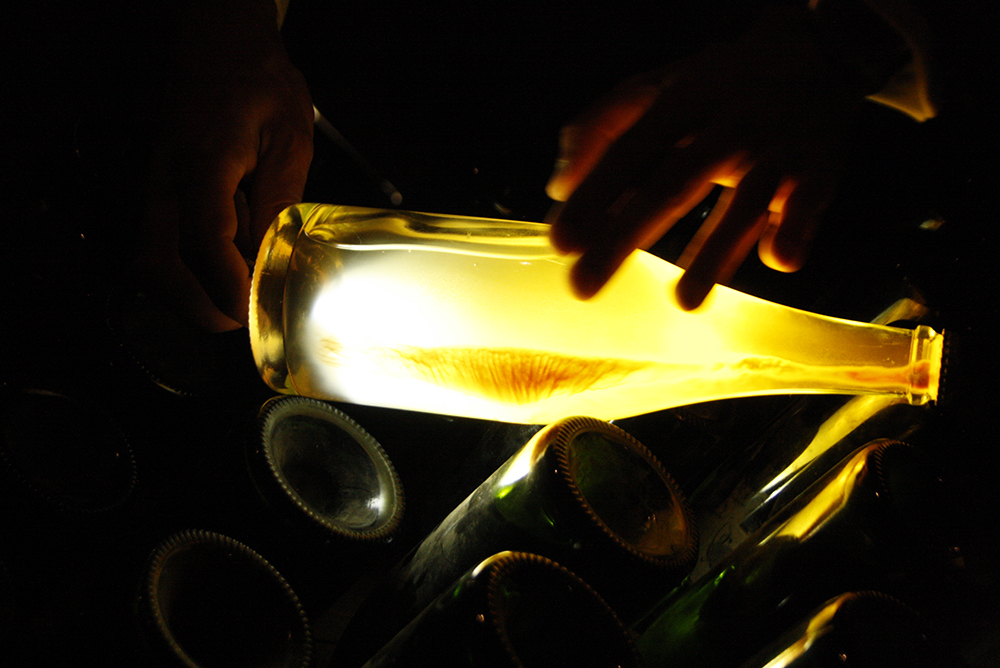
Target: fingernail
[{"x": 554, "y": 188}]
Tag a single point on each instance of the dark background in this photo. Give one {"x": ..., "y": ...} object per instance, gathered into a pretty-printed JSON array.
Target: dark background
[{"x": 460, "y": 109}]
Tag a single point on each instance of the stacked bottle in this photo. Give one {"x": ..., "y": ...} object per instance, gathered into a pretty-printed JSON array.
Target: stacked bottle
[
  {"x": 864, "y": 629},
  {"x": 513, "y": 609},
  {"x": 581, "y": 492},
  {"x": 872, "y": 521},
  {"x": 208, "y": 600}
]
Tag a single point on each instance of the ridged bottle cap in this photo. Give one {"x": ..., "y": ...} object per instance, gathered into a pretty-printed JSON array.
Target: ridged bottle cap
[
  {"x": 545, "y": 615},
  {"x": 317, "y": 461},
  {"x": 625, "y": 491}
]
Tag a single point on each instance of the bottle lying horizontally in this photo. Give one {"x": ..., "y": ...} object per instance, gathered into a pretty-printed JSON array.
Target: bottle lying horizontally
[
  {"x": 476, "y": 317},
  {"x": 880, "y": 520},
  {"x": 209, "y": 600}
]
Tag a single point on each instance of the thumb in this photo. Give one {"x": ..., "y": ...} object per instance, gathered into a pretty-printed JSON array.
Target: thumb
[{"x": 278, "y": 182}]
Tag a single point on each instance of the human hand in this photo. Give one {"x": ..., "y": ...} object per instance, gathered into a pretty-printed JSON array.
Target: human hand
[
  {"x": 765, "y": 116},
  {"x": 233, "y": 150}
]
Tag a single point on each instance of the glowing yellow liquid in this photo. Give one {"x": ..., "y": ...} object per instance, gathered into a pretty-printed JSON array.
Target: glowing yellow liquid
[{"x": 475, "y": 317}]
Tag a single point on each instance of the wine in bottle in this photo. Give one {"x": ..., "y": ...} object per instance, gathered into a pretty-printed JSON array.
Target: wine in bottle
[{"x": 475, "y": 317}]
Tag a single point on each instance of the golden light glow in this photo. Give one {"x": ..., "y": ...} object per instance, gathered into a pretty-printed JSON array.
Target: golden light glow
[
  {"x": 513, "y": 376},
  {"x": 817, "y": 627},
  {"x": 489, "y": 561},
  {"x": 476, "y": 317},
  {"x": 828, "y": 501},
  {"x": 848, "y": 417},
  {"x": 518, "y": 466}
]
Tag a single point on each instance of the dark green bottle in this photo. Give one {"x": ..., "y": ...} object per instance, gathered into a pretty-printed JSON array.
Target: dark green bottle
[
  {"x": 317, "y": 494},
  {"x": 581, "y": 492},
  {"x": 872, "y": 522},
  {"x": 513, "y": 610},
  {"x": 323, "y": 472}
]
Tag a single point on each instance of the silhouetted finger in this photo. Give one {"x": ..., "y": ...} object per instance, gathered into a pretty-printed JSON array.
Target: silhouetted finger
[{"x": 742, "y": 217}]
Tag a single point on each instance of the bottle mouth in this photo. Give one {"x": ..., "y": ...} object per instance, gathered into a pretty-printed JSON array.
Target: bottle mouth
[
  {"x": 881, "y": 631},
  {"x": 267, "y": 294},
  {"x": 547, "y": 617},
  {"x": 911, "y": 485},
  {"x": 331, "y": 469},
  {"x": 627, "y": 490},
  {"x": 214, "y": 601},
  {"x": 928, "y": 362}
]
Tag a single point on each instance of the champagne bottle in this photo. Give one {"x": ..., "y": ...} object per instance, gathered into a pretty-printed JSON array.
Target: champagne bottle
[
  {"x": 756, "y": 462},
  {"x": 323, "y": 498},
  {"x": 872, "y": 523},
  {"x": 864, "y": 629},
  {"x": 513, "y": 609},
  {"x": 581, "y": 492},
  {"x": 475, "y": 317}
]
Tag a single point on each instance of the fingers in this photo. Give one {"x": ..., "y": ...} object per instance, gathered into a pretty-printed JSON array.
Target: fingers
[
  {"x": 582, "y": 143},
  {"x": 207, "y": 228},
  {"x": 735, "y": 225},
  {"x": 169, "y": 280},
  {"x": 220, "y": 177},
  {"x": 636, "y": 226},
  {"x": 278, "y": 181},
  {"x": 623, "y": 205},
  {"x": 162, "y": 274},
  {"x": 624, "y": 168},
  {"x": 187, "y": 256},
  {"x": 785, "y": 245}
]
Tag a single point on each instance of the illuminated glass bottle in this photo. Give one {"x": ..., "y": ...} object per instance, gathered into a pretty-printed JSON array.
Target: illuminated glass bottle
[
  {"x": 513, "y": 609},
  {"x": 475, "y": 317}
]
